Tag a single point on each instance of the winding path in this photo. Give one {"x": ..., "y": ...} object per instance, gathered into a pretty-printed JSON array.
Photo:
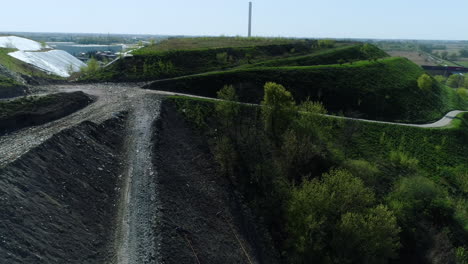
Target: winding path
[
  {"x": 111, "y": 99},
  {"x": 443, "y": 122}
]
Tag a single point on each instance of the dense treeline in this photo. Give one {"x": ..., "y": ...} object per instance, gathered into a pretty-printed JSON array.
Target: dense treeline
[{"x": 336, "y": 191}]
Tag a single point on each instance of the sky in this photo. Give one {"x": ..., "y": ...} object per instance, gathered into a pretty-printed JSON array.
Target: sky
[{"x": 382, "y": 19}]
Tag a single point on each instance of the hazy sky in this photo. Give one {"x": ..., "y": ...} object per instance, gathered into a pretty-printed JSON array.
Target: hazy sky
[{"x": 410, "y": 19}]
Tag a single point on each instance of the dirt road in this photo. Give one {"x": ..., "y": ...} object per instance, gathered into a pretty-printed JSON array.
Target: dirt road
[{"x": 136, "y": 240}]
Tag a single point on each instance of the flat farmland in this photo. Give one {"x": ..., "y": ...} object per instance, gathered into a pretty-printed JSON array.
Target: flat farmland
[{"x": 413, "y": 56}]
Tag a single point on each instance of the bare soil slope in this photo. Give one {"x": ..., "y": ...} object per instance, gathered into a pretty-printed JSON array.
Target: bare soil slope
[{"x": 201, "y": 218}]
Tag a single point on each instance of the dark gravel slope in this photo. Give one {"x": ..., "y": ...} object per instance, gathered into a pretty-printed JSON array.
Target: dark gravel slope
[
  {"x": 201, "y": 219},
  {"x": 58, "y": 201},
  {"x": 31, "y": 111}
]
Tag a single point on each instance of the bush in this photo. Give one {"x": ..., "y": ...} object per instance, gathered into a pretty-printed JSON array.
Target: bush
[
  {"x": 91, "y": 68},
  {"x": 403, "y": 160},
  {"x": 463, "y": 93},
  {"x": 416, "y": 198},
  {"x": 425, "y": 82},
  {"x": 362, "y": 169},
  {"x": 455, "y": 80},
  {"x": 371, "y": 238},
  {"x": 440, "y": 78}
]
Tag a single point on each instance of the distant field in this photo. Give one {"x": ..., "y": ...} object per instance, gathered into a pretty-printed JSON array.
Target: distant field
[
  {"x": 413, "y": 56},
  {"x": 216, "y": 42},
  {"x": 463, "y": 62}
]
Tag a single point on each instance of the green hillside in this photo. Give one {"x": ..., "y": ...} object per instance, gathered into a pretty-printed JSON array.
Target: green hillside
[
  {"x": 382, "y": 90},
  {"x": 22, "y": 68},
  {"x": 150, "y": 63},
  {"x": 215, "y": 42},
  {"x": 333, "y": 56}
]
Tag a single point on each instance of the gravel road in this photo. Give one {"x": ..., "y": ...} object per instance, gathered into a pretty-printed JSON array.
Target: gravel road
[{"x": 136, "y": 242}]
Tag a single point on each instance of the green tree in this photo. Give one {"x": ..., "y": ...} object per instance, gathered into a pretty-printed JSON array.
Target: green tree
[
  {"x": 425, "y": 82},
  {"x": 416, "y": 197},
  {"x": 326, "y": 43},
  {"x": 228, "y": 107},
  {"x": 465, "y": 83},
  {"x": 321, "y": 213},
  {"x": 371, "y": 237},
  {"x": 368, "y": 51},
  {"x": 304, "y": 145},
  {"x": 455, "y": 80},
  {"x": 277, "y": 108}
]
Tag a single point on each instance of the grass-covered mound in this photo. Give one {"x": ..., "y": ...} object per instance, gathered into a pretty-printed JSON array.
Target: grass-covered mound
[
  {"x": 215, "y": 42},
  {"x": 333, "y": 56},
  {"x": 150, "y": 64},
  {"x": 6, "y": 82},
  {"x": 35, "y": 110},
  {"x": 386, "y": 89},
  {"x": 342, "y": 191}
]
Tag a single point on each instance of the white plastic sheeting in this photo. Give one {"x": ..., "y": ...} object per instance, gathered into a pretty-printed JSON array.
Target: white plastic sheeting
[
  {"x": 57, "y": 62},
  {"x": 20, "y": 43}
]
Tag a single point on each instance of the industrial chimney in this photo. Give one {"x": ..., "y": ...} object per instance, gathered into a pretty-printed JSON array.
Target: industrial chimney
[{"x": 250, "y": 19}]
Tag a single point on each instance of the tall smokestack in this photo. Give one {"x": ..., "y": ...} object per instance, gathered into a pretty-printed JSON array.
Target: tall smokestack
[{"x": 250, "y": 19}]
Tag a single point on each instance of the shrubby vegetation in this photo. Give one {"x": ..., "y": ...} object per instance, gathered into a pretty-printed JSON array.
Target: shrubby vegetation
[
  {"x": 339, "y": 191},
  {"x": 91, "y": 68}
]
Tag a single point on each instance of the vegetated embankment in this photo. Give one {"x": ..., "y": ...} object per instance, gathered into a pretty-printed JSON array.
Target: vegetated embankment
[
  {"x": 386, "y": 89},
  {"x": 37, "y": 110},
  {"x": 9, "y": 87},
  {"x": 147, "y": 64},
  {"x": 202, "y": 219},
  {"x": 59, "y": 199},
  {"x": 329, "y": 56}
]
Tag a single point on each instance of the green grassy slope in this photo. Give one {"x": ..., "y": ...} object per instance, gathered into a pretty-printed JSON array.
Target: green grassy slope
[
  {"x": 22, "y": 68},
  {"x": 149, "y": 64},
  {"x": 215, "y": 42},
  {"x": 347, "y": 54},
  {"x": 382, "y": 90}
]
